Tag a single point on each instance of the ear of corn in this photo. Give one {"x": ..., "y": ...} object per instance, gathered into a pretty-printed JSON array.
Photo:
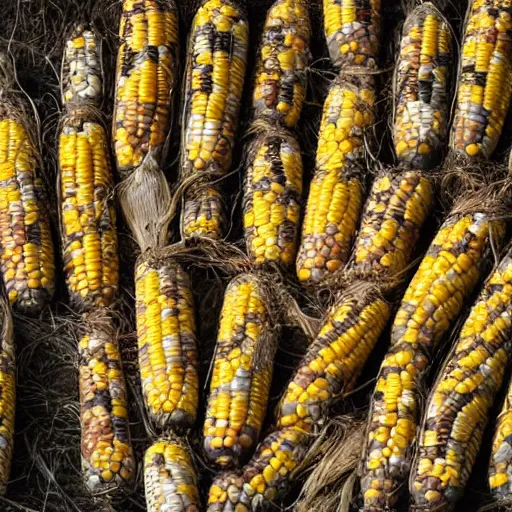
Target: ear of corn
[
  {"x": 87, "y": 211},
  {"x": 167, "y": 343},
  {"x": 393, "y": 216},
  {"x": 272, "y": 199},
  {"x": 444, "y": 280},
  {"x": 352, "y": 30},
  {"x": 26, "y": 247},
  {"x": 7, "y": 393},
  {"x": 146, "y": 77},
  {"x": 107, "y": 456},
  {"x": 204, "y": 212},
  {"x": 170, "y": 479},
  {"x": 336, "y": 193},
  {"x": 460, "y": 400},
  {"x": 422, "y": 88},
  {"x": 282, "y": 63},
  {"x": 485, "y": 79},
  {"x": 335, "y": 359},
  {"x": 265, "y": 478},
  {"x": 81, "y": 77},
  {"x": 242, "y": 373},
  {"x": 500, "y": 466},
  {"x": 217, "y": 58}
]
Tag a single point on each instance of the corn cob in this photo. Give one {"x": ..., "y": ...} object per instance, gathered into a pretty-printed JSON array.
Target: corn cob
[
  {"x": 444, "y": 280},
  {"x": 422, "y": 88},
  {"x": 352, "y": 30},
  {"x": 272, "y": 199},
  {"x": 501, "y": 461},
  {"x": 485, "y": 79},
  {"x": 459, "y": 402},
  {"x": 213, "y": 89},
  {"x": 283, "y": 59},
  {"x": 107, "y": 456},
  {"x": 242, "y": 373},
  {"x": 88, "y": 218},
  {"x": 336, "y": 193},
  {"x": 7, "y": 393},
  {"x": 81, "y": 77},
  {"x": 167, "y": 343},
  {"x": 391, "y": 223},
  {"x": 204, "y": 212},
  {"x": 335, "y": 359},
  {"x": 26, "y": 247},
  {"x": 267, "y": 476},
  {"x": 145, "y": 79},
  {"x": 170, "y": 479}
]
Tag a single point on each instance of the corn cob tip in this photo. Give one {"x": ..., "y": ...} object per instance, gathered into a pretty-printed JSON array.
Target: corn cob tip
[
  {"x": 283, "y": 59},
  {"x": 81, "y": 72},
  {"x": 170, "y": 478},
  {"x": 352, "y": 31}
]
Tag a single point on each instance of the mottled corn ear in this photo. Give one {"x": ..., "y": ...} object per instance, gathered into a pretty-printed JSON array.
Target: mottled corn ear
[
  {"x": 272, "y": 199},
  {"x": 336, "y": 193},
  {"x": 485, "y": 79},
  {"x": 87, "y": 212},
  {"x": 242, "y": 373},
  {"x": 204, "y": 214},
  {"x": 393, "y": 216},
  {"x": 81, "y": 74},
  {"x": 352, "y": 30},
  {"x": 170, "y": 480},
  {"x": 26, "y": 247},
  {"x": 146, "y": 76},
  {"x": 7, "y": 392},
  {"x": 445, "y": 278},
  {"x": 107, "y": 456},
  {"x": 335, "y": 358},
  {"x": 166, "y": 334},
  {"x": 460, "y": 400},
  {"x": 283, "y": 59},
  {"x": 217, "y": 58},
  {"x": 500, "y": 465},
  {"x": 422, "y": 88},
  {"x": 267, "y": 476}
]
